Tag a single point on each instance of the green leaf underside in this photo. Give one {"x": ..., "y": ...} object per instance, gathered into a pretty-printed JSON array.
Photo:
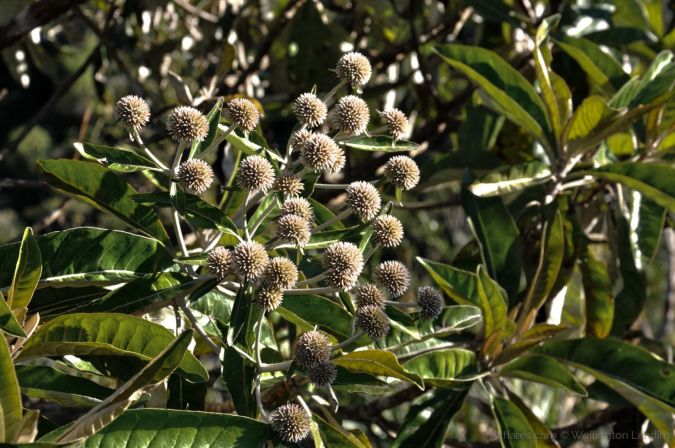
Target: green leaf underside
[
  {"x": 380, "y": 143},
  {"x": 444, "y": 368},
  {"x": 378, "y": 363},
  {"x": 8, "y": 322},
  {"x": 116, "y": 159},
  {"x": 317, "y": 310},
  {"x": 545, "y": 370},
  {"x": 10, "y": 397},
  {"x": 514, "y": 429},
  {"x": 511, "y": 178}
]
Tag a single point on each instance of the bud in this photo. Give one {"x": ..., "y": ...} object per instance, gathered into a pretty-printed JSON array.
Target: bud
[
  {"x": 430, "y": 302},
  {"x": 294, "y": 229},
  {"x": 403, "y": 172},
  {"x": 310, "y": 110},
  {"x": 369, "y": 295},
  {"x": 396, "y": 123},
  {"x": 320, "y": 152},
  {"x": 373, "y": 321},
  {"x": 243, "y": 113},
  {"x": 393, "y": 276},
  {"x": 298, "y": 206},
  {"x": 187, "y": 124},
  {"x": 323, "y": 374},
  {"x": 132, "y": 111},
  {"x": 249, "y": 260},
  {"x": 268, "y": 298},
  {"x": 387, "y": 231},
  {"x": 351, "y": 115},
  {"x": 195, "y": 176},
  {"x": 219, "y": 262},
  {"x": 291, "y": 422},
  {"x": 364, "y": 199},
  {"x": 289, "y": 185},
  {"x": 354, "y": 68},
  {"x": 255, "y": 173},
  {"x": 281, "y": 273},
  {"x": 344, "y": 263},
  {"x": 312, "y": 348}
]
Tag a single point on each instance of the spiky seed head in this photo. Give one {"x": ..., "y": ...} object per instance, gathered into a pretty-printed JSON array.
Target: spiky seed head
[
  {"x": 268, "y": 297},
  {"x": 219, "y": 262},
  {"x": 369, "y": 295},
  {"x": 132, "y": 111},
  {"x": 323, "y": 374},
  {"x": 310, "y": 110},
  {"x": 343, "y": 262},
  {"x": 312, "y": 348},
  {"x": 403, "y": 172},
  {"x": 243, "y": 114},
  {"x": 430, "y": 301},
  {"x": 373, "y": 321},
  {"x": 300, "y": 138},
  {"x": 387, "y": 231},
  {"x": 281, "y": 273},
  {"x": 320, "y": 152},
  {"x": 393, "y": 276},
  {"x": 289, "y": 185},
  {"x": 249, "y": 260},
  {"x": 291, "y": 422},
  {"x": 339, "y": 164},
  {"x": 255, "y": 173},
  {"x": 294, "y": 229},
  {"x": 364, "y": 199},
  {"x": 300, "y": 207},
  {"x": 187, "y": 124},
  {"x": 351, "y": 115},
  {"x": 396, "y": 123},
  {"x": 342, "y": 280},
  {"x": 195, "y": 176},
  {"x": 354, "y": 68}
]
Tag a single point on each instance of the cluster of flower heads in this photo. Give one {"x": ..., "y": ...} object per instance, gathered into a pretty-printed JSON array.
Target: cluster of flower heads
[{"x": 343, "y": 262}]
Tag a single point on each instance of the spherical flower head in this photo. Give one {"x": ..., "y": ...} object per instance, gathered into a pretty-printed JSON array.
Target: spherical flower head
[
  {"x": 281, "y": 273},
  {"x": 387, "y": 231},
  {"x": 300, "y": 138},
  {"x": 396, "y": 123},
  {"x": 430, "y": 301},
  {"x": 339, "y": 164},
  {"x": 249, "y": 260},
  {"x": 294, "y": 229},
  {"x": 290, "y": 422},
  {"x": 219, "y": 262},
  {"x": 343, "y": 262},
  {"x": 268, "y": 297},
  {"x": 312, "y": 348},
  {"x": 289, "y": 185},
  {"x": 243, "y": 113},
  {"x": 393, "y": 276},
  {"x": 298, "y": 206},
  {"x": 373, "y": 321},
  {"x": 364, "y": 199},
  {"x": 403, "y": 172},
  {"x": 310, "y": 110},
  {"x": 369, "y": 295},
  {"x": 320, "y": 152},
  {"x": 323, "y": 374},
  {"x": 187, "y": 124},
  {"x": 195, "y": 176},
  {"x": 351, "y": 115},
  {"x": 132, "y": 111},
  {"x": 354, "y": 68},
  {"x": 255, "y": 173}
]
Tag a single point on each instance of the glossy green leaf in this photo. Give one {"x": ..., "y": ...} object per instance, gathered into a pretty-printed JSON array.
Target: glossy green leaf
[
  {"x": 545, "y": 370},
  {"x": 654, "y": 85},
  {"x": 378, "y": 363},
  {"x": 10, "y": 397},
  {"x": 461, "y": 286},
  {"x": 50, "y": 301},
  {"x": 493, "y": 302},
  {"x": 337, "y": 436},
  {"x": 444, "y": 368},
  {"x": 542, "y": 62},
  {"x": 534, "y": 336},
  {"x": 589, "y": 115},
  {"x": 514, "y": 429},
  {"x": 49, "y": 384},
  {"x": 213, "y": 117},
  {"x": 105, "y": 334},
  {"x": 598, "y": 296},
  {"x": 380, "y": 143},
  {"x": 88, "y": 254},
  {"x": 511, "y": 178},
  {"x": 238, "y": 374},
  {"x": 511, "y": 92},
  {"x": 323, "y": 214},
  {"x": 317, "y": 310},
  {"x": 143, "y": 428},
  {"x": 116, "y": 159},
  {"x": 8, "y": 322},
  {"x": 26, "y": 274},
  {"x": 650, "y": 220},
  {"x": 103, "y": 189},
  {"x": 544, "y": 436}
]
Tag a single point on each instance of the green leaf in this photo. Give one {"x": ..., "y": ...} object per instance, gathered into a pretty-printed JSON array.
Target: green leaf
[
  {"x": 380, "y": 143},
  {"x": 116, "y": 159},
  {"x": 336, "y": 435},
  {"x": 8, "y": 322},
  {"x": 654, "y": 180},
  {"x": 512, "y": 94},
  {"x": 514, "y": 429},
  {"x": 534, "y": 336},
  {"x": 47, "y": 383},
  {"x": 542, "y": 60},
  {"x": 106, "y": 334},
  {"x": 88, "y": 254},
  {"x": 317, "y": 310},
  {"x": 26, "y": 275},
  {"x": 545, "y": 370},
  {"x": 378, "y": 363},
  {"x": 598, "y": 295},
  {"x": 213, "y": 117},
  {"x": 510, "y": 178},
  {"x": 493, "y": 303},
  {"x": 323, "y": 214},
  {"x": 653, "y": 86},
  {"x": 143, "y": 428},
  {"x": 238, "y": 374},
  {"x": 444, "y": 368},
  {"x": 589, "y": 115},
  {"x": 650, "y": 220},
  {"x": 544, "y": 438},
  {"x": 461, "y": 286},
  {"x": 103, "y": 189},
  {"x": 10, "y": 396}
]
